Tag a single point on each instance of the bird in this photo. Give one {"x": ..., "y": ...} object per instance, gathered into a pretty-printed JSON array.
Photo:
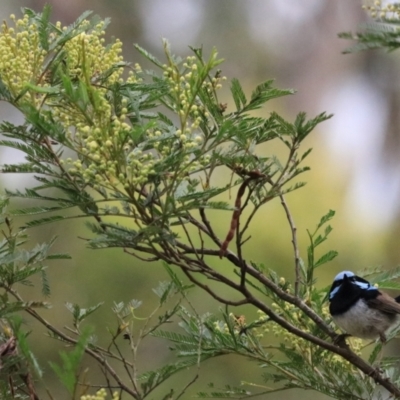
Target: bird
[{"x": 361, "y": 309}]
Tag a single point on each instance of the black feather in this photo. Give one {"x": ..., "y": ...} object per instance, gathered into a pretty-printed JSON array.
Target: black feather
[{"x": 349, "y": 293}]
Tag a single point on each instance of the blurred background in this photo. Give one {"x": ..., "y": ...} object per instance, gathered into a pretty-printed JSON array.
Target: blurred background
[{"x": 355, "y": 165}]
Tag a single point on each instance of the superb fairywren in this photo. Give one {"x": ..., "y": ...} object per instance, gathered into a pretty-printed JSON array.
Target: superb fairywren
[{"x": 360, "y": 309}]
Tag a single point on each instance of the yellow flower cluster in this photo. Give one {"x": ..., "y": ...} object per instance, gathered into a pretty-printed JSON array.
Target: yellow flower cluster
[
  {"x": 99, "y": 134},
  {"x": 101, "y": 142},
  {"x": 97, "y": 131},
  {"x": 301, "y": 346},
  {"x": 184, "y": 86},
  {"x": 296, "y": 317},
  {"x": 83, "y": 70},
  {"x": 89, "y": 58},
  {"x": 21, "y": 56},
  {"x": 100, "y": 395},
  {"x": 389, "y": 11}
]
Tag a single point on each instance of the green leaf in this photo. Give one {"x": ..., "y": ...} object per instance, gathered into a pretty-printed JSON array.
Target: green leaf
[
  {"x": 373, "y": 35},
  {"x": 23, "y": 345},
  {"x": 149, "y": 56},
  {"x": 176, "y": 338},
  {"x": 44, "y": 27},
  {"x": 72, "y": 30},
  {"x": 327, "y": 217},
  {"x": 282, "y": 126},
  {"x": 41, "y": 89},
  {"x": 375, "y": 353},
  {"x": 68, "y": 372},
  {"x": 164, "y": 290},
  {"x": 329, "y": 256},
  {"x": 229, "y": 392},
  {"x": 177, "y": 282},
  {"x": 383, "y": 277},
  {"x": 43, "y": 221},
  {"x": 58, "y": 256},
  {"x": 45, "y": 284},
  {"x": 23, "y": 168},
  {"x": 39, "y": 210},
  {"x": 219, "y": 205},
  {"x": 238, "y": 94},
  {"x": 303, "y": 127},
  {"x": 79, "y": 314},
  {"x": 390, "y": 285},
  {"x": 265, "y": 92}
]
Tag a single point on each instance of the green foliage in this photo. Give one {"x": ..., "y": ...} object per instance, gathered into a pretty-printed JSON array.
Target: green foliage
[
  {"x": 317, "y": 239},
  {"x": 150, "y": 163},
  {"x": 382, "y": 32},
  {"x": 374, "y": 36},
  {"x": 18, "y": 265},
  {"x": 290, "y": 364},
  {"x": 68, "y": 372},
  {"x": 79, "y": 314}
]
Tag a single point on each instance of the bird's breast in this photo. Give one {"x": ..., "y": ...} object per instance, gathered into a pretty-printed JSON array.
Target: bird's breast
[{"x": 364, "y": 322}]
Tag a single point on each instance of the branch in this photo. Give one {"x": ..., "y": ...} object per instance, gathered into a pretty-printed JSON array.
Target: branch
[
  {"x": 68, "y": 339},
  {"x": 207, "y": 228},
  {"x": 341, "y": 350},
  {"x": 131, "y": 253},
  {"x": 344, "y": 351},
  {"x": 232, "y": 257},
  {"x": 212, "y": 293},
  {"x": 252, "y": 175}
]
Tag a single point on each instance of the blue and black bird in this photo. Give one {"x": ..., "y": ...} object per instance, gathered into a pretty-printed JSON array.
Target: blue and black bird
[{"x": 360, "y": 309}]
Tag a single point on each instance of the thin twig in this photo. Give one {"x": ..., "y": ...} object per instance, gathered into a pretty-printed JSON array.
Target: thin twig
[
  {"x": 213, "y": 294},
  {"x": 293, "y": 230},
  {"x": 27, "y": 379},
  {"x": 126, "y": 365},
  {"x": 239, "y": 252},
  {"x": 131, "y": 253},
  {"x": 206, "y": 228},
  {"x": 189, "y": 239},
  {"x": 190, "y": 383},
  {"x": 201, "y": 335},
  {"x": 202, "y": 245}
]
